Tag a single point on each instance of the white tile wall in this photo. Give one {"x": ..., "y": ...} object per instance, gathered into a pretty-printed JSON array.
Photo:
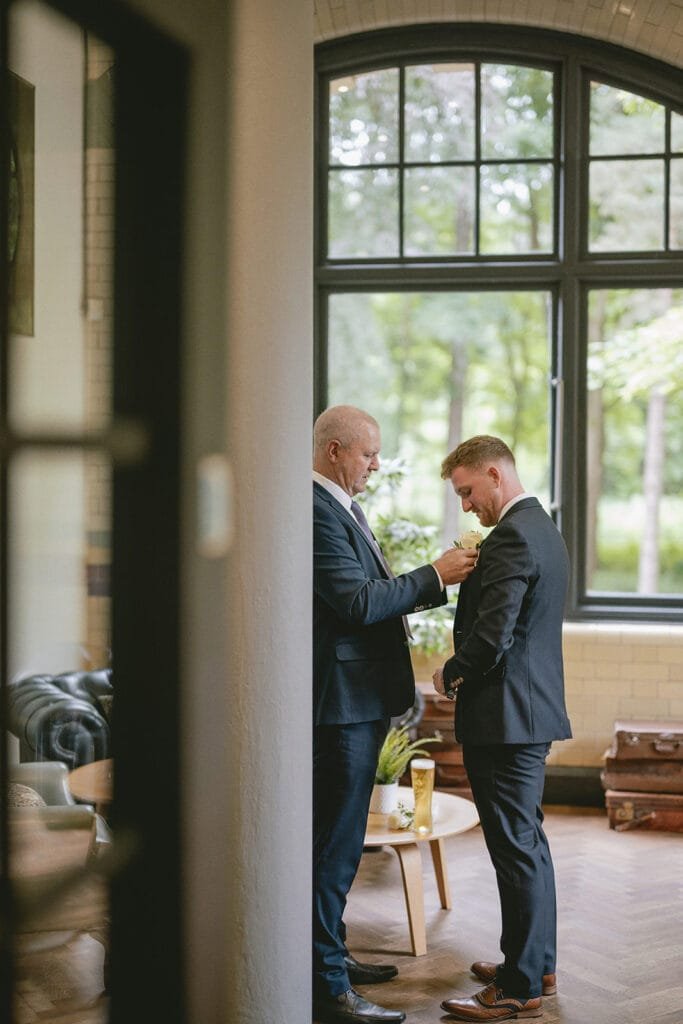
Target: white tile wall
[{"x": 615, "y": 671}]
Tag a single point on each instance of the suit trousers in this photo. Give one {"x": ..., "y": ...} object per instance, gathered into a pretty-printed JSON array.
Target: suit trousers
[
  {"x": 344, "y": 765},
  {"x": 507, "y": 786}
]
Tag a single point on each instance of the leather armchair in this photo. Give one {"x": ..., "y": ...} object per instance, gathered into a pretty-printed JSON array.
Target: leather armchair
[
  {"x": 62, "y": 717},
  {"x": 48, "y": 778}
]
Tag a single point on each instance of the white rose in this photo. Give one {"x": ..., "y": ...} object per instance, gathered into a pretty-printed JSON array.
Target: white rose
[{"x": 470, "y": 539}]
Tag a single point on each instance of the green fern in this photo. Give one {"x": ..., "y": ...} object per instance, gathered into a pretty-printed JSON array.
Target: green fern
[{"x": 397, "y": 750}]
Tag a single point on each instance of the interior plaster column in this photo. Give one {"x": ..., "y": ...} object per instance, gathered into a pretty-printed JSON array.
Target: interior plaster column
[{"x": 270, "y": 365}]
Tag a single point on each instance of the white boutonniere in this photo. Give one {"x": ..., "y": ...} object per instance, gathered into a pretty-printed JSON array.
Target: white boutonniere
[
  {"x": 401, "y": 818},
  {"x": 469, "y": 539}
]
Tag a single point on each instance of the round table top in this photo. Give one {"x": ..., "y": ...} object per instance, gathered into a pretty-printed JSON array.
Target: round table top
[
  {"x": 450, "y": 814},
  {"x": 93, "y": 782}
]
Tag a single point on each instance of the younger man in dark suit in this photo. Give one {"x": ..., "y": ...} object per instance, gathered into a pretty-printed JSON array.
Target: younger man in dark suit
[
  {"x": 362, "y": 675},
  {"x": 507, "y": 676}
]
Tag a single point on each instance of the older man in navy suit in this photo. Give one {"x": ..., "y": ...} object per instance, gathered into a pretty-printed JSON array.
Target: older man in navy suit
[
  {"x": 507, "y": 679},
  {"x": 362, "y": 676}
]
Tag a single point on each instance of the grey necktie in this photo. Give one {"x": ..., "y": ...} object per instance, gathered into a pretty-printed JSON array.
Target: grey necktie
[{"x": 359, "y": 516}]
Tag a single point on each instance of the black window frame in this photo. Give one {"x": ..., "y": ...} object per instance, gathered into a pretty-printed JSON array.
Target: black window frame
[{"x": 570, "y": 272}]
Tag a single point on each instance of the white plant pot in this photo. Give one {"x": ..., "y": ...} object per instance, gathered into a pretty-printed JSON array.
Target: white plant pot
[{"x": 384, "y": 798}]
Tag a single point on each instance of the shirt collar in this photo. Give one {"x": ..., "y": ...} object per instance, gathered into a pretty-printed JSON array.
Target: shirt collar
[
  {"x": 334, "y": 489},
  {"x": 513, "y": 501}
]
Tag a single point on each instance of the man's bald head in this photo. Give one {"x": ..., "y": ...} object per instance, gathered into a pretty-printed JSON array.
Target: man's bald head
[
  {"x": 346, "y": 444},
  {"x": 343, "y": 423}
]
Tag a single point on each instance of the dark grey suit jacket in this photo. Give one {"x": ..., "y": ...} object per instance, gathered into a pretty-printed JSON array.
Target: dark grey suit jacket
[
  {"x": 361, "y": 663},
  {"x": 508, "y": 634}
]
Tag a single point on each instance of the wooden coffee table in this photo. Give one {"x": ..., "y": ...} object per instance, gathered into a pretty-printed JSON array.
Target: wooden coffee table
[
  {"x": 452, "y": 815},
  {"x": 94, "y": 784}
]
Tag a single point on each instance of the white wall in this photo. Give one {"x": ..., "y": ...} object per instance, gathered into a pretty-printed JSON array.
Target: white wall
[
  {"x": 47, "y": 535},
  {"x": 270, "y": 342},
  {"x": 47, "y": 386},
  {"x": 248, "y": 392}
]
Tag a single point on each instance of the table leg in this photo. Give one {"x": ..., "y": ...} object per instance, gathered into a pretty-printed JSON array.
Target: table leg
[
  {"x": 411, "y": 869},
  {"x": 441, "y": 872}
]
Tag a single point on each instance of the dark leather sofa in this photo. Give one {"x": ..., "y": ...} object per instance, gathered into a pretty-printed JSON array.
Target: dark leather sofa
[{"x": 62, "y": 717}]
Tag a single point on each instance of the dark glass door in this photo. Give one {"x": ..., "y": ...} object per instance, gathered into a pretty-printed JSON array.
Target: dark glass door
[{"x": 91, "y": 199}]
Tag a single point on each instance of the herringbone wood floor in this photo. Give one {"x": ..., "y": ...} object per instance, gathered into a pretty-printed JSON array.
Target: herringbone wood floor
[{"x": 620, "y": 925}]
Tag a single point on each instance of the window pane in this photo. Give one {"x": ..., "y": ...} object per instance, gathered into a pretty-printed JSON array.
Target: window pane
[
  {"x": 59, "y": 511},
  {"x": 676, "y": 205},
  {"x": 439, "y": 210},
  {"x": 622, "y": 122},
  {"x": 517, "y": 208},
  {"x": 58, "y": 623},
  {"x": 630, "y": 217},
  {"x": 363, "y": 213},
  {"x": 61, "y": 226},
  {"x": 634, "y": 519},
  {"x": 435, "y": 368},
  {"x": 677, "y": 133},
  {"x": 516, "y": 112},
  {"x": 439, "y": 113},
  {"x": 364, "y": 118}
]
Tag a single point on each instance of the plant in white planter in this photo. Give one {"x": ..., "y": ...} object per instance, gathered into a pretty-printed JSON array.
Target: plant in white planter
[{"x": 397, "y": 750}]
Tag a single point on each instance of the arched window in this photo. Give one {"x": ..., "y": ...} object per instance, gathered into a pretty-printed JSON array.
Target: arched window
[{"x": 499, "y": 249}]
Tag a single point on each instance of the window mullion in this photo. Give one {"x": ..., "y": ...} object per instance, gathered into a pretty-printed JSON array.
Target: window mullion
[
  {"x": 477, "y": 159},
  {"x": 401, "y": 154}
]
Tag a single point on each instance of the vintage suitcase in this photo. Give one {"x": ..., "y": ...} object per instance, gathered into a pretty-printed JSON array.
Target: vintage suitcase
[
  {"x": 652, "y": 811},
  {"x": 639, "y": 740},
  {"x": 646, "y": 776},
  {"x": 437, "y": 720}
]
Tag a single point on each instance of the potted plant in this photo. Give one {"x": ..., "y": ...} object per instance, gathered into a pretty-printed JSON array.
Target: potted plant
[
  {"x": 407, "y": 543},
  {"x": 397, "y": 750}
]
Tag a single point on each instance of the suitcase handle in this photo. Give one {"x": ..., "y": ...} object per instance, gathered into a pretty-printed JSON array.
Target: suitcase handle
[
  {"x": 626, "y": 826},
  {"x": 666, "y": 744}
]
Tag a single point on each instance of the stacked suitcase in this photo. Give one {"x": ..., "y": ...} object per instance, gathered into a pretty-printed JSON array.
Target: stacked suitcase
[
  {"x": 643, "y": 776},
  {"x": 437, "y": 720}
]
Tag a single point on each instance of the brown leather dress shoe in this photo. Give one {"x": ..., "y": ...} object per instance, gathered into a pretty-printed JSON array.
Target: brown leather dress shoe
[
  {"x": 486, "y": 971},
  {"x": 492, "y": 1004}
]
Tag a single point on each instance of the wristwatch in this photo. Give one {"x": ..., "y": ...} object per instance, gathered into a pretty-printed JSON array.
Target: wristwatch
[{"x": 452, "y": 690}]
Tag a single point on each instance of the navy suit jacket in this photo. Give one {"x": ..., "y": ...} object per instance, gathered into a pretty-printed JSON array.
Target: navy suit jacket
[
  {"x": 508, "y": 634},
  {"x": 361, "y": 661}
]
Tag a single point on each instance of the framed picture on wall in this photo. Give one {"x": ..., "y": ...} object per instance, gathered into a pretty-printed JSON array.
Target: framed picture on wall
[{"x": 21, "y": 130}]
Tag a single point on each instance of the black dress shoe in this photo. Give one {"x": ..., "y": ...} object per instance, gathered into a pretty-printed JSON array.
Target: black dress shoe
[
  {"x": 351, "y": 1008},
  {"x": 368, "y": 974}
]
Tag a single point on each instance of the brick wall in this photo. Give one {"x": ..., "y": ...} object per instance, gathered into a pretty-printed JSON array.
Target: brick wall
[
  {"x": 617, "y": 671},
  {"x": 654, "y": 27},
  {"x": 98, "y": 302}
]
